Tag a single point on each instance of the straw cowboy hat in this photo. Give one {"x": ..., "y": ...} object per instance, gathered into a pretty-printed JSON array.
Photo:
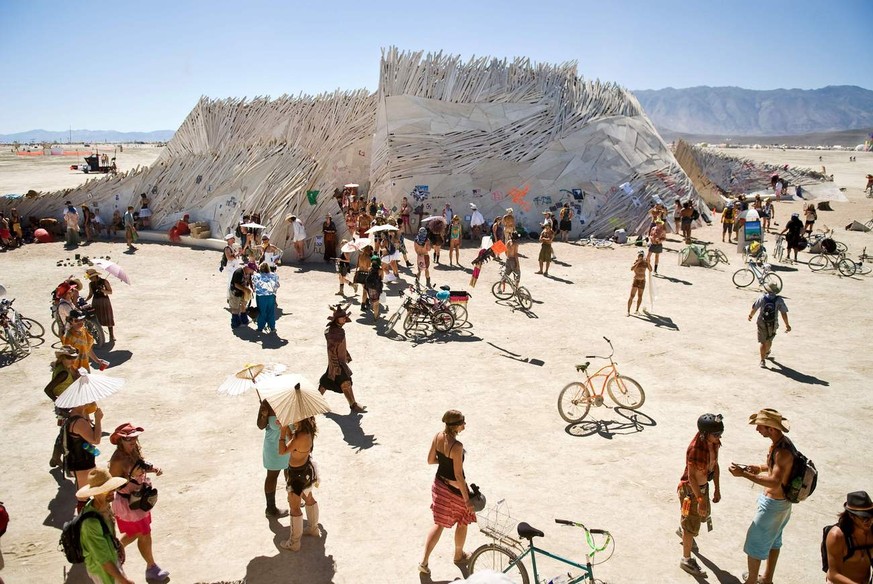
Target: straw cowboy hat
[
  {"x": 100, "y": 482},
  {"x": 770, "y": 418},
  {"x": 859, "y": 503},
  {"x": 91, "y": 272}
]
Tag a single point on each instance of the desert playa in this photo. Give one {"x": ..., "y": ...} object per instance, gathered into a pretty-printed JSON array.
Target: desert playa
[{"x": 693, "y": 352}]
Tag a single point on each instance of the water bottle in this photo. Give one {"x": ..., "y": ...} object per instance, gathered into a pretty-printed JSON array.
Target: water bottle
[
  {"x": 560, "y": 579},
  {"x": 90, "y": 448}
]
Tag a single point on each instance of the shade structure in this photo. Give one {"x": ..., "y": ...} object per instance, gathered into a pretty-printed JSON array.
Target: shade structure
[
  {"x": 90, "y": 387},
  {"x": 295, "y": 404},
  {"x": 112, "y": 268}
]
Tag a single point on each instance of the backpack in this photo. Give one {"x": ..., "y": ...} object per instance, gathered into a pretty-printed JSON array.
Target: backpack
[
  {"x": 850, "y": 547},
  {"x": 695, "y": 215},
  {"x": 223, "y": 263},
  {"x": 565, "y": 213},
  {"x": 769, "y": 311},
  {"x": 71, "y": 536},
  {"x": 803, "y": 478}
]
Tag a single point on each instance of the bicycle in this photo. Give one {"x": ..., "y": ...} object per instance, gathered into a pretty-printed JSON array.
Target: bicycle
[
  {"x": 421, "y": 309},
  {"x": 13, "y": 328},
  {"x": 506, "y": 553},
  {"x": 596, "y": 242},
  {"x": 757, "y": 271},
  {"x": 825, "y": 236},
  {"x": 91, "y": 323},
  {"x": 576, "y": 399},
  {"x": 511, "y": 280},
  {"x": 779, "y": 248},
  {"x": 861, "y": 266},
  {"x": 708, "y": 258},
  {"x": 835, "y": 261}
]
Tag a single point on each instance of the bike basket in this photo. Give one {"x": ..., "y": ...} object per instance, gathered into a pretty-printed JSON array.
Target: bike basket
[
  {"x": 459, "y": 296},
  {"x": 496, "y": 522}
]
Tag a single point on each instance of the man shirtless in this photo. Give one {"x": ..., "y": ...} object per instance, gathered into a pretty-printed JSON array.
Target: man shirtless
[
  {"x": 512, "y": 265},
  {"x": 848, "y": 543},
  {"x": 764, "y": 537},
  {"x": 639, "y": 284},
  {"x": 422, "y": 251}
]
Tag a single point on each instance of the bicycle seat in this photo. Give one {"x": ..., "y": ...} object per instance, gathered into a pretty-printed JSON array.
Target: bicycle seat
[
  {"x": 445, "y": 287},
  {"x": 583, "y": 367},
  {"x": 525, "y": 531}
]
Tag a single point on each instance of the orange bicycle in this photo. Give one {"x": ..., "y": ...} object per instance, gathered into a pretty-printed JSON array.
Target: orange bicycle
[{"x": 577, "y": 397}]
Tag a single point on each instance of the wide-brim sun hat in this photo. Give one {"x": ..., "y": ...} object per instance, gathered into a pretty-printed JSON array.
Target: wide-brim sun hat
[
  {"x": 100, "y": 482},
  {"x": 771, "y": 419},
  {"x": 125, "y": 430},
  {"x": 858, "y": 503},
  {"x": 229, "y": 236}
]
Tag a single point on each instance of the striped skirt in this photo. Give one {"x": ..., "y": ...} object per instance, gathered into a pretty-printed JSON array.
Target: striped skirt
[
  {"x": 448, "y": 507},
  {"x": 103, "y": 308}
]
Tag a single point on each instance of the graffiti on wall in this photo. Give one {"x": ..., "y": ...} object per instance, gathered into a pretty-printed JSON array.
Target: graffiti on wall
[{"x": 420, "y": 192}]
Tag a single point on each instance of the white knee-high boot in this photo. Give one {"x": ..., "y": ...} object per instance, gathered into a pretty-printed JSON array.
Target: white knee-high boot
[
  {"x": 293, "y": 543},
  {"x": 312, "y": 521}
]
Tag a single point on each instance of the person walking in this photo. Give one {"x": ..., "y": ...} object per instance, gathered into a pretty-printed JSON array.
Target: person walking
[
  {"x": 545, "y": 257},
  {"x": 639, "y": 268},
  {"x": 328, "y": 230},
  {"x": 373, "y": 285},
  {"x": 266, "y": 284},
  {"x": 99, "y": 289},
  {"x": 273, "y": 461},
  {"x": 701, "y": 468},
  {"x": 127, "y": 462},
  {"x": 71, "y": 220},
  {"x": 848, "y": 543},
  {"x": 456, "y": 233},
  {"x": 81, "y": 435},
  {"x": 810, "y": 215},
  {"x": 343, "y": 269},
  {"x": 338, "y": 376},
  {"x": 145, "y": 214},
  {"x": 405, "y": 212},
  {"x": 422, "y": 255},
  {"x": 769, "y": 306},
  {"x": 477, "y": 223},
  {"x": 297, "y": 444},
  {"x": 130, "y": 235},
  {"x": 727, "y": 223},
  {"x": 77, "y": 336},
  {"x": 450, "y": 496},
  {"x": 657, "y": 235},
  {"x": 793, "y": 233},
  {"x": 100, "y": 547},
  {"x": 764, "y": 536},
  {"x": 298, "y": 235},
  {"x": 687, "y": 217}
]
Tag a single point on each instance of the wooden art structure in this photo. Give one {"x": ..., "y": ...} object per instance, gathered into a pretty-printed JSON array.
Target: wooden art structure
[{"x": 494, "y": 133}]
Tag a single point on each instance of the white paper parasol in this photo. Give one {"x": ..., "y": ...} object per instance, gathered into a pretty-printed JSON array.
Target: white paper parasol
[
  {"x": 379, "y": 228},
  {"x": 434, "y": 218},
  {"x": 241, "y": 381},
  {"x": 253, "y": 226},
  {"x": 351, "y": 186},
  {"x": 90, "y": 387},
  {"x": 112, "y": 268},
  {"x": 356, "y": 245},
  {"x": 295, "y": 404}
]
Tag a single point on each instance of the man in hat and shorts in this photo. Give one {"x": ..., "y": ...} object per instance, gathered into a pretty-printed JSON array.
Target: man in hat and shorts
[
  {"x": 101, "y": 549},
  {"x": 298, "y": 235},
  {"x": 240, "y": 294},
  {"x": 338, "y": 376},
  {"x": 848, "y": 543},
  {"x": 764, "y": 536},
  {"x": 769, "y": 306}
]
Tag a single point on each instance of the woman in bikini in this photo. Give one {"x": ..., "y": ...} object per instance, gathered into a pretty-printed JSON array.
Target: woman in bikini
[
  {"x": 297, "y": 441},
  {"x": 451, "y": 498}
]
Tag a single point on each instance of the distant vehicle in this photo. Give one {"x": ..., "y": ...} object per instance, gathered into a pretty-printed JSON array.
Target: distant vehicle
[{"x": 92, "y": 164}]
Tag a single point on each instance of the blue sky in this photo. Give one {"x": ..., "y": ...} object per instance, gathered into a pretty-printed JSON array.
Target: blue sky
[{"x": 140, "y": 66}]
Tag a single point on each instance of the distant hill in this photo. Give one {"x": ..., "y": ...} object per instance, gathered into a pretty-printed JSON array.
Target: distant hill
[
  {"x": 733, "y": 111},
  {"x": 846, "y": 138},
  {"x": 79, "y": 136}
]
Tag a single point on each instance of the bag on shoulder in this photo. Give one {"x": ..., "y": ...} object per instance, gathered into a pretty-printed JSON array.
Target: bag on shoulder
[
  {"x": 71, "y": 536},
  {"x": 695, "y": 215},
  {"x": 850, "y": 547},
  {"x": 803, "y": 478},
  {"x": 769, "y": 311},
  {"x": 144, "y": 498}
]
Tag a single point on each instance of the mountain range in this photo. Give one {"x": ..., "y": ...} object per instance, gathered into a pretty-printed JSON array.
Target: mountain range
[
  {"x": 80, "y": 136},
  {"x": 733, "y": 111}
]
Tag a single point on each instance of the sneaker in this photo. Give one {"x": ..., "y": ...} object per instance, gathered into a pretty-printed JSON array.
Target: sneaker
[
  {"x": 763, "y": 364},
  {"x": 156, "y": 574},
  {"x": 358, "y": 408},
  {"x": 694, "y": 547},
  {"x": 691, "y": 566}
]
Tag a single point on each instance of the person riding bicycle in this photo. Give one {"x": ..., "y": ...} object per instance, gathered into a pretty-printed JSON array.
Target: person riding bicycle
[{"x": 701, "y": 467}]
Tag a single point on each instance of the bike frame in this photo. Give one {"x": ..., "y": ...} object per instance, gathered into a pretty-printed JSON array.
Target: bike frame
[
  {"x": 532, "y": 550},
  {"x": 613, "y": 372}
]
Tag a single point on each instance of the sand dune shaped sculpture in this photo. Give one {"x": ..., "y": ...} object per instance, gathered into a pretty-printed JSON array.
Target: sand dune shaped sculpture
[{"x": 499, "y": 134}]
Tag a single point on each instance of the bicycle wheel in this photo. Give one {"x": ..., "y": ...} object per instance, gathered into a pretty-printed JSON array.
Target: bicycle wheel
[
  {"x": 34, "y": 329},
  {"x": 442, "y": 320},
  {"x": 683, "y": 255},
  {"x": 494, "y": 557},
  {"x": 772, "y": 278},
  {"x": 502, "y": 290},
  {"x": 9, "y": 335},
  {"x": 846, "y": 267},
  {"x": 603, "y": 244},
  {"x": 841, "y": 247},
  {"x": 709, "y": 259},
  {"x": 459, "y": 311},
  {"x": 22, "y": 339},
  {"x": 626, "y": 392},
  {"x": 574, "y": 401},
  {"x": 395, "y": 318},
  {"x": 743, "y": 278},
  {"x": 410, "y": 321},
  {"x": 56, "y": 328},
  {"x": 721, "y": 257},
  {"x": 862, "y": 269},
  {"x": 818, "y": 263},
  {"x": 524, "y": 298},
  {"x": 96, "y": 331}
]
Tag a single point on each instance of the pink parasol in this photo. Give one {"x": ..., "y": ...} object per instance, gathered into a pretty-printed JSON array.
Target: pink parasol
[{"x": 112, "y": 268}]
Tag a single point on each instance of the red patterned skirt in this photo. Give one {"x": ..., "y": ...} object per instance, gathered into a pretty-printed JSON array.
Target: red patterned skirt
[{"x": 448, "y": 507}]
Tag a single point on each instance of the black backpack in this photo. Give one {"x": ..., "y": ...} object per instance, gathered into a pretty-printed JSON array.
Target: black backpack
[
  {"x": 71, "y": 536},
  {"x": 850, "y": 547},
  {"x": 223, "y": 263},
  {"x": 803, "y": 478},
  {"x": 695, "y": 215},
  {"x": 769, "y": 311}
]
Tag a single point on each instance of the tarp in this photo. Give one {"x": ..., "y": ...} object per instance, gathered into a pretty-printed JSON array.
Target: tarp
[{"x": 856, "y": 226}]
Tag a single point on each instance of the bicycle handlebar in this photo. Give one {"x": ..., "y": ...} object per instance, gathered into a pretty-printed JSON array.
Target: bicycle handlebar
[
  {"x": 607, "y": 340},
  {"x": 564, "y": 522}
]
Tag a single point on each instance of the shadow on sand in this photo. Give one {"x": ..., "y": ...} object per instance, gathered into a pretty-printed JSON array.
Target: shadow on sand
[
  {"x": 353, "y": 434},
  {"x": 625, "y": 421},
  {"x": 62, "y": 508},
  {"x": 657, "y": 320},
  {"x": 516, "y": 357},
  {"x": 309, "y": 565},
  {"x": 797, "y": 375}
]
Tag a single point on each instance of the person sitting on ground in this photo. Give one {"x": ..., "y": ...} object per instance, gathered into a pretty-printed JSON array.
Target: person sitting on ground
[{"x": 182, "y": 226}]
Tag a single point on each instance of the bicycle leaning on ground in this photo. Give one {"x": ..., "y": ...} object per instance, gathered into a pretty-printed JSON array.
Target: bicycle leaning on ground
[
  {"x": 506, "y": 553},
  {"x": 508, "y": 286},
  {"x": 708, "y": 258},
  {"x": 836, "y": 261},
  {"x": 16, "y": 330},
  {"x": 577, "y": 397}
]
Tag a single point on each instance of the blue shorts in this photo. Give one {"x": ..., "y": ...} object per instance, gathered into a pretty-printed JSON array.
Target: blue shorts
[{"x": 765, "y": 532}]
